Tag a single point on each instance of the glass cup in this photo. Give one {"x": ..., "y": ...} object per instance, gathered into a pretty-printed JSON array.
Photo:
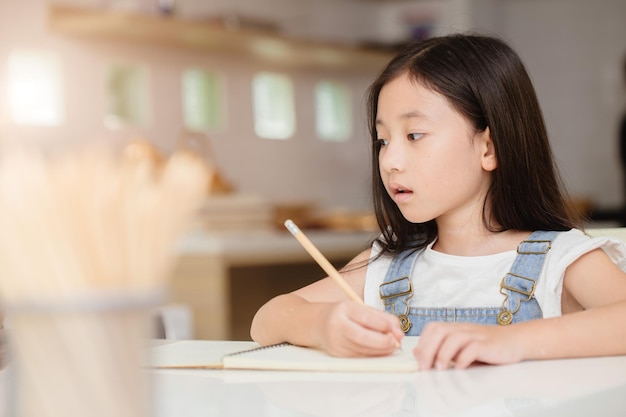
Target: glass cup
[{"x": 80, "y": 357}]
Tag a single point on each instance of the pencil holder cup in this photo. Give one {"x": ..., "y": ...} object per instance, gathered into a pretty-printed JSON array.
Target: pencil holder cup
[{"x": 80, "y": 357}]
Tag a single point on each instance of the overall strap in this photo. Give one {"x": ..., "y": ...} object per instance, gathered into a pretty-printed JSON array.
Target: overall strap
[
  {"x": 519, "y": 284},
  {"x": 397, "y": 289}
]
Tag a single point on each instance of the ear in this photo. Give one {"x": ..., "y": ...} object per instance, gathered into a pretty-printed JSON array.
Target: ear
[{"x": 488, "y": 160}]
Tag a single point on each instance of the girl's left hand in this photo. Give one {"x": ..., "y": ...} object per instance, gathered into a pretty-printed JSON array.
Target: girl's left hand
[{"x": 458, "y": 345}]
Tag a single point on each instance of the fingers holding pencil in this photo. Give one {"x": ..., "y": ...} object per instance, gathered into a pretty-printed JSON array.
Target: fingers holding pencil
[{"x": 348, "y": 329}]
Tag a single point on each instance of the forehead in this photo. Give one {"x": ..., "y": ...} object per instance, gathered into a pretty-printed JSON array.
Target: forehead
[{"x": 404, "y": 96}]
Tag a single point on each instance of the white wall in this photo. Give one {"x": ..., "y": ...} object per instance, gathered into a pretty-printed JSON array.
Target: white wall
[{"x": 572, "y": 49}]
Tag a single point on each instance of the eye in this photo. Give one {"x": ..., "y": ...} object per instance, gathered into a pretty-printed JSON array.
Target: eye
[
  {"x": 381, "y": 142},
  {"x": 414, "y": 136}
]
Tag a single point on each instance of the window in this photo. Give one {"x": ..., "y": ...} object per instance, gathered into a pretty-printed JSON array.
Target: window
[
  {"x": 34, "y": 88},
  {"x": 127, "y": 96},
  {"x": 202, "y": 96},
  {"x": 333, "y": 111},
  {"x": 274, "y": 113}
]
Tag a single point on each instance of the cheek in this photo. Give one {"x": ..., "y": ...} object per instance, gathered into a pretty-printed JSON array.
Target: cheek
[
  {"x": 434, "y": 163},
  {"x": 465, "y": 175},
  {"x": 449, "y": 168}
]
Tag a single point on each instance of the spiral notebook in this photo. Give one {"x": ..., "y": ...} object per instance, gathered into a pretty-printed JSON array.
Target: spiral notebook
[{"x": 284, "y": 357}]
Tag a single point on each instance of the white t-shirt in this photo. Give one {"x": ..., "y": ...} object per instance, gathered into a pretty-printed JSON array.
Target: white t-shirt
[{"x": 442, "y": 280}]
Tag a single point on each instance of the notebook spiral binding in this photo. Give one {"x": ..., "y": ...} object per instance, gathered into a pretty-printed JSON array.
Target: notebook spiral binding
[{"x": 241, "y": 352}]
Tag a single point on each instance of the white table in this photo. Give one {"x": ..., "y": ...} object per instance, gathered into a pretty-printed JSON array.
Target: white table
[{"x": 572, "y": 387}]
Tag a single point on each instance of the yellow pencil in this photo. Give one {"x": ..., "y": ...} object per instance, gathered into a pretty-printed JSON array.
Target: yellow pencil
[{"x": 322, "y": 261}]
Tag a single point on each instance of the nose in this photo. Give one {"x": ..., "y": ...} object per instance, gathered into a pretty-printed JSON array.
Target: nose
[{"x": 391, "y": 157}]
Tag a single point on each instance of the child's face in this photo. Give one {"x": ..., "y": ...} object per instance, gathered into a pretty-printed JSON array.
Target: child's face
[{"x": 432, "y": 163}]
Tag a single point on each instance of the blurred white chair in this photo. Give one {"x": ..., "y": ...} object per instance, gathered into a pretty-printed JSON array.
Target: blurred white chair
[
  {"x": 174, "y": 321},
  {"x": 617, "y": 232}
]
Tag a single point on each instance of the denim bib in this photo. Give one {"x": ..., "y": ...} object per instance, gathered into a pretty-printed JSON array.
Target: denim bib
[{"x": 517, "y": 288}]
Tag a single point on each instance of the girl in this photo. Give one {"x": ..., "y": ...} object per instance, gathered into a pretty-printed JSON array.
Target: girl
[{"x": 478, "y": 253}]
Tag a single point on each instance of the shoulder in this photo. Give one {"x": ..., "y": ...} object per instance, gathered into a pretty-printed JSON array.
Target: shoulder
[
  {"x": 567, "y": 248},
  {"x": 377, "y": 268},
  {"x": 597, "y": 276},
  {"x": 376, "y": 271},
  {"x": 571, "y": 245},
  {"x": 379, "y": 263}
]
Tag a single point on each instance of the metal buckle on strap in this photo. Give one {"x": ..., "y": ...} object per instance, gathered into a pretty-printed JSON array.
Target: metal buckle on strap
[
  {"x": 528, "y": 294},
  {"x": 392, "y": 300},
  {"x": 548, "y": 246},
  {"x": 406, "y": 292}
]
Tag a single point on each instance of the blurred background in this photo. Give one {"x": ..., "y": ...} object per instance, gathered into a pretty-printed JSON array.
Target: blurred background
[
  {"x": 271, "y": 92},
  {"x": 105, "y": 79}
]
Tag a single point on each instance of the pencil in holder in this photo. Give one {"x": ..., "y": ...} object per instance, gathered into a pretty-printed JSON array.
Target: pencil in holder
[{"x": 88, "y": 239}]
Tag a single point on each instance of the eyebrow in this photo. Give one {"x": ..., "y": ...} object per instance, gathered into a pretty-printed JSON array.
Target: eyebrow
[{"x": 408, "y": 115}]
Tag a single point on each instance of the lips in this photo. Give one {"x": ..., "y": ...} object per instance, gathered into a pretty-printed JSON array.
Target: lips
[{"x": 399, "y": 192}]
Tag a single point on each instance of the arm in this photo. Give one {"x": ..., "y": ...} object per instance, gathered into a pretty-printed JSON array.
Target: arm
[
  {"x": 320, "y": 315},
  {"x": 595, "y": 285}
]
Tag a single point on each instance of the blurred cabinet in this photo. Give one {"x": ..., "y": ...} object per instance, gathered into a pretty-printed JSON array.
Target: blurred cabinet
[{"x": 224, "y": 277}]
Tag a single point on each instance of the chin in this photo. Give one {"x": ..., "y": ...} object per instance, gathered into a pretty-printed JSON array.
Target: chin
[{"x": 416, "y": 218}]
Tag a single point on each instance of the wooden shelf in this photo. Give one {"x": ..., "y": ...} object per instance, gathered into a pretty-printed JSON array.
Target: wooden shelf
[{"x": 211, "y": 37}]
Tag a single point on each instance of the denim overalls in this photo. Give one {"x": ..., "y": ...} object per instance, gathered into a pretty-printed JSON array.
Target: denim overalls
[{"x": 517, "y": 286}]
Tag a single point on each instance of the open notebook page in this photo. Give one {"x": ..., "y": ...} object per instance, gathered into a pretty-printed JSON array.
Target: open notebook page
[{"x": 295, "y": 358}]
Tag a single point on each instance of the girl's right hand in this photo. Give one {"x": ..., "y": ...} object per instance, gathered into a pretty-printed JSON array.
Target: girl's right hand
[{"x": 350, "y": 329}]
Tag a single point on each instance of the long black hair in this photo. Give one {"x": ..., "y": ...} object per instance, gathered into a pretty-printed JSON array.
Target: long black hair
[{"x": 486, "y": 82}]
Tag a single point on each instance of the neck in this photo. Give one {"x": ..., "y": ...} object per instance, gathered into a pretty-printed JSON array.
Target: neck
[
  {"x": 463, "y": 231},
  {"x": 474, "y": 239}
]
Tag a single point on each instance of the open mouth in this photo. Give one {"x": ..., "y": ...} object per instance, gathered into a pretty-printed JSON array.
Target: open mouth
[
  {"x": 400, "y": 193},
  {"x": 399, "y": 189}
]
